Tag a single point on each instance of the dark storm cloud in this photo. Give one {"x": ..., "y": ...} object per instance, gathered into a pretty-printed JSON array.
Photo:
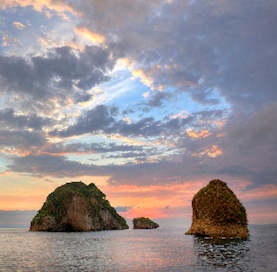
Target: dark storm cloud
[
  {"x": 21, "y": 139},
  {"x": 157, "y": 99},
  {"x": 113, "y": 14},
  {"x": 248, "y": 146},
  {"x": 88, "y": 68},
  {"x": 206, "y": 48},
  {"x": 127, "y": 111},
  {"x": 55, "y": 166},
  {"x": 256, "y": 130},
  {"x": 82, "y": 98},
  {"x": 201, "y": 97},
  {"x": 55, "y": 74},
  {"x": 227, "y": 45},
  {"x": 59, "y": 166},
  {"x": 97, "y": 119},
  {"x": 244, "y": 156},
  {"x": 251, "y": 143},
  {"x": 101, "y": 119},
  {"x": 8, "y": 118},
  {"x": 17, "y": 75},
  {"x": 211, "y": 114},
  {"x": 201, "y": 46},
  {"x": 212, "y": 50},
  {"x": 143, "y": 174}
]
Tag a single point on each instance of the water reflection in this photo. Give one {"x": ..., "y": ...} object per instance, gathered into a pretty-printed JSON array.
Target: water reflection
[
  {"x": 230, "y": 254},
  {"x": 162, "y": 250}
]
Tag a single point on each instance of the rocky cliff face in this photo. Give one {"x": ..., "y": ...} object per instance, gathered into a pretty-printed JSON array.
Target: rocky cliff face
[
  {"x": 218, "y": 213},
  {"x": 144, "y": 223},
  {"x": 76, "y": 206}
]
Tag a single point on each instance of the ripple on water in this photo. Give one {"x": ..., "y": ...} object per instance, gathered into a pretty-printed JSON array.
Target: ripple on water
[{"x": 136, "y": 250}]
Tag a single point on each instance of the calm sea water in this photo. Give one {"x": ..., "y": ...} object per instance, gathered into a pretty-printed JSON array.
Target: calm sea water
[{"x": 136, "y": 250}]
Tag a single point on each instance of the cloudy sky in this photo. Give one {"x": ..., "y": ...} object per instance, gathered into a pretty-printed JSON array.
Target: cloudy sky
[{"x": 150, "y": 100}]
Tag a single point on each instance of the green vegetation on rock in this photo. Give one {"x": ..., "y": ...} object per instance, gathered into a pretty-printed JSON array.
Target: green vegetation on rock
[
  {"x": 219, "y": 204},
  {"x": 144, "y": 223},
  {"x": 57, "y": 203},
  {"x": 217, "y": 213}
]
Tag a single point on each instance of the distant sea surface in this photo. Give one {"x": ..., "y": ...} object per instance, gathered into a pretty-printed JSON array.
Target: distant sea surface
[{"x": 136, "y": 250}]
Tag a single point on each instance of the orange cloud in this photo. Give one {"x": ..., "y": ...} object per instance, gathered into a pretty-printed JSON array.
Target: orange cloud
[
  {"x": 147, "y": 76},
  {"x": 48, "y": 14},
  {"x": 16, "y": 151},
  {"x": 219, "y": 123},
  {"x": 94, "y": 37},
  {"x": 7, "y": 40},
  {"x": 198, "y": 134},
  {"x": 221, "y": 135},
  {"x": 182, "y": 114},
  {"x": 159, "y": 88},
  {"x": 127, "y": 120},
  {"x": 18, "y": 25},
  {"x": 212, "y": 152},
  {"x": 146, "y": 94},
  {"x": 38, "y": 5},
  {"x": 47, "y": 42},
  {"x": 144, "y": 78},
  {"x": 74, "y": 45}
]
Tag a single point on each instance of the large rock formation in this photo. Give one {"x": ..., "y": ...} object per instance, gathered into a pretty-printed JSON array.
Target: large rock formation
[
  {"x": 76, "y": 206},
  {"x": 144, "y": 223},
  {"x": 218, "y": 213}
]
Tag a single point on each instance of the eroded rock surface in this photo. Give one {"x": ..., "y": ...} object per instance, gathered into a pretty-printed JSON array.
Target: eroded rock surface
[
  {"x": 218, "y": 213},
  {"x": 144, "y": 223},
  {"x": 76, "y": 206}
]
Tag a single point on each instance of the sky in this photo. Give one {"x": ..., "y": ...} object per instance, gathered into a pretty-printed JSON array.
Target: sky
[{"x": 149, "y": 100}]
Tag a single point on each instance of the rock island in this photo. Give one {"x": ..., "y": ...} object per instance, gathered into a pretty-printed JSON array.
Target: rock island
[
  {"x": 76, "y": 206},
  {"x": 218, "y": 213},
  {"x": 144, "y": 223}
]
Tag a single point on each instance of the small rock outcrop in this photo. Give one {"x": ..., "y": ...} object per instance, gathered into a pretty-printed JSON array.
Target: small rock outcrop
[
  {"x": 218, "y": 213},
  {"x": 76, "y": 206},
  {"x": 144, "y": 223}
]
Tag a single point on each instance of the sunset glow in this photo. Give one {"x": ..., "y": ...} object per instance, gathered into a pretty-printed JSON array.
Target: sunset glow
[{"x": 149, "y": 100}]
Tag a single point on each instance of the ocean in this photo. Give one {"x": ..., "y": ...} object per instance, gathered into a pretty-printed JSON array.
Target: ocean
[{"x": 164, "y": 249}]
